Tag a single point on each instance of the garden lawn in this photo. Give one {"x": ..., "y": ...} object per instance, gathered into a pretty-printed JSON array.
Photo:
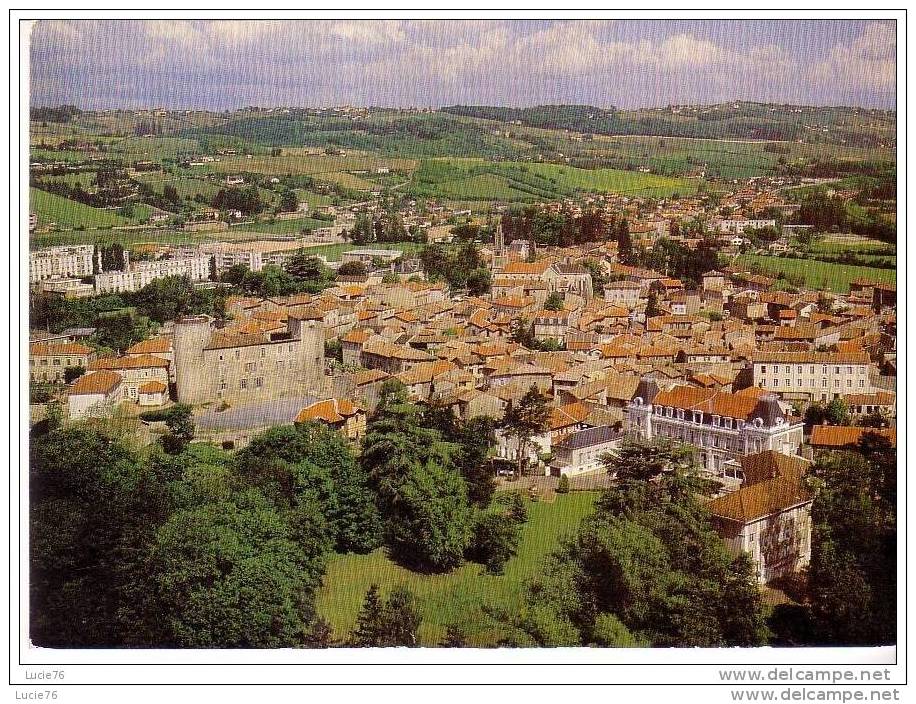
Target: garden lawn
[
  {"x": 457, "y": 597},
  {"x": 814, "y": 274},
  {"x": 68, "y": 213}
]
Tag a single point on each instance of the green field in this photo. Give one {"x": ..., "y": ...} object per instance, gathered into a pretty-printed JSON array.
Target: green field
[
  {"x": 283, "y": 227},
  {"x": 307, "y": 164},
  {"x": 315, "y": 200},
  {"x": 815, "y": 275},
  {"x": 68, "y": 213},
  {"x": 456, "y": 597},
  {"x": 110, "y": 236},
  {"x": 476, "y": 180}
]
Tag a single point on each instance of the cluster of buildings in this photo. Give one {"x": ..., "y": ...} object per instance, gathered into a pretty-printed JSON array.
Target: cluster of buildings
[{"x": 728, "y": 367}]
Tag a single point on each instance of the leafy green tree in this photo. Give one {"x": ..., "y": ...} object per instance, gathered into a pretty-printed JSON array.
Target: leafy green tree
[
  {"x": 599, "y": 277},
  {"x": 554, "y": 301},
  {"x": 235, "y": 275},
  {"x": 644, "y": 461},
  {"x": 646, "y": 568},
  {"x": 170, "y": 297},
  {"x": 362, "y": 232},
  {"x": 288, "y": 201},
  {"x": 235, "y": 574},
  {"x": 247, "y": 200},
  {"x": 814, "y": 414},
  {"x": 420, "y": 491},
  {"x": 83, "y": 559},
  {"x": 355, "y": 268},
  {"x": 180, "y": 423},
  {"x": 71, "y": 374},
  {"x": 474, "y": 438},
  {"x": 875, "y": 419},
  {"x": 854, "y": 545},
  {"x": 455, "y": 637},
  {"x": 308, "y": 271},
  {"x": 652, "y": 304},
  {"x": 120, "y": 330},
  {"x": 525, "y": 419},
  {"x": 837, "y": 412},
  {"x": 388, "y": 624},
  {"x": 479, "y": 281},
  {"x": 625, "y": 253},
  {"x": 494, "y": 540},
  {"x": 294, "y": 465}
]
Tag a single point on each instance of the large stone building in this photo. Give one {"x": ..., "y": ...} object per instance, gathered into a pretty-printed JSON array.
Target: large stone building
[
  {"x": 247, "y": 364},
  {"x": 812, "y": 376},
  {"x": 722, "y": 426}
]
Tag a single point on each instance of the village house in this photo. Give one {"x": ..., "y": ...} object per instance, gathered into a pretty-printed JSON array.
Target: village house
[
  {"x": 340, "y": 414},
  {"x": 152, "y": 393},
  {"x": 392, "y": 358},
  {"x": 94, "y": 394},
  {"x": 838, "y": 437},
  {"x": 771, "y": 521},
  {"x": 624, "y": 293},
  {"x": 47, "y": 362},
  {"x": 135, "y": 371},
  {"x": 581, "y": 452}
]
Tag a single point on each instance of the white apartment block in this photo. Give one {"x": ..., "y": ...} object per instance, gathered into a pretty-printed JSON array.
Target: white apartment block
[
  {"x": 812, "y": 376},
  {"x": 141, "y": 273},
  {"x": 61, "y": 263},
  {"x": 739, "y": 226},
  {"x": 253, "y": 255},
  {"x": 722, "y": 426}
]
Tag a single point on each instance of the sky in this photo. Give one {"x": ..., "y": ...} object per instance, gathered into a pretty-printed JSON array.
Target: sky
[{"x": 228, "y": 64}]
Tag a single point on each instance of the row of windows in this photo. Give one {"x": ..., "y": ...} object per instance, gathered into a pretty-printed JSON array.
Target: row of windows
[
  {"x": 245, "y": 384},
  {"x": 697, "y": 417},
  {"x": 263, "y": 352},
  {"x": 800, "y": 369},
  {"x": 824, "y": 384}
]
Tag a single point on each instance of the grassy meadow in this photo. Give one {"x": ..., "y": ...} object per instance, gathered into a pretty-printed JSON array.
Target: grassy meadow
[
  {"x": 816, "y": 275},
  {"x": 457, "y": 597}
]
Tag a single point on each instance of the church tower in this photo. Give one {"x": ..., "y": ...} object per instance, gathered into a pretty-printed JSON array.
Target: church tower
[{"x": 499, "y": 247}]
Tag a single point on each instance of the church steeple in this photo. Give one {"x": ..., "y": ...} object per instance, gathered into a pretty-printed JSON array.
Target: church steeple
[{"x": 499, "y": 246}]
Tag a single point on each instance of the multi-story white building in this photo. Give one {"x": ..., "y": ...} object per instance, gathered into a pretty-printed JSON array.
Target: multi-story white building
[
  {"x": 254, "y": 255},
  {"x": 139, "y": 274},
  {"x": 812, "y": 376},
  {"x": 623, "y": 293},
  {"x": 61, "y": 262},
  {"x": 739, "y": 226},
  {"x": 723, "y": 426}
]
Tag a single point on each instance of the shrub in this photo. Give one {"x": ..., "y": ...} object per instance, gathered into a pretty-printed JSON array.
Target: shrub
[{"x": 563, "y": 485}]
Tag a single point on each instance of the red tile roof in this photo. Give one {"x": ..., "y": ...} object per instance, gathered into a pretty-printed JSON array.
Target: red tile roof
[
  {"x": 843, "y": 435},
  {"x": 101, "y": 382}
]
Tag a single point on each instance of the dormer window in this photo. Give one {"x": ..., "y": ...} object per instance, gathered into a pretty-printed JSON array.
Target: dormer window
[
  {"x": 698, "y": 416},
  {"x": 716, "y": 420}
]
